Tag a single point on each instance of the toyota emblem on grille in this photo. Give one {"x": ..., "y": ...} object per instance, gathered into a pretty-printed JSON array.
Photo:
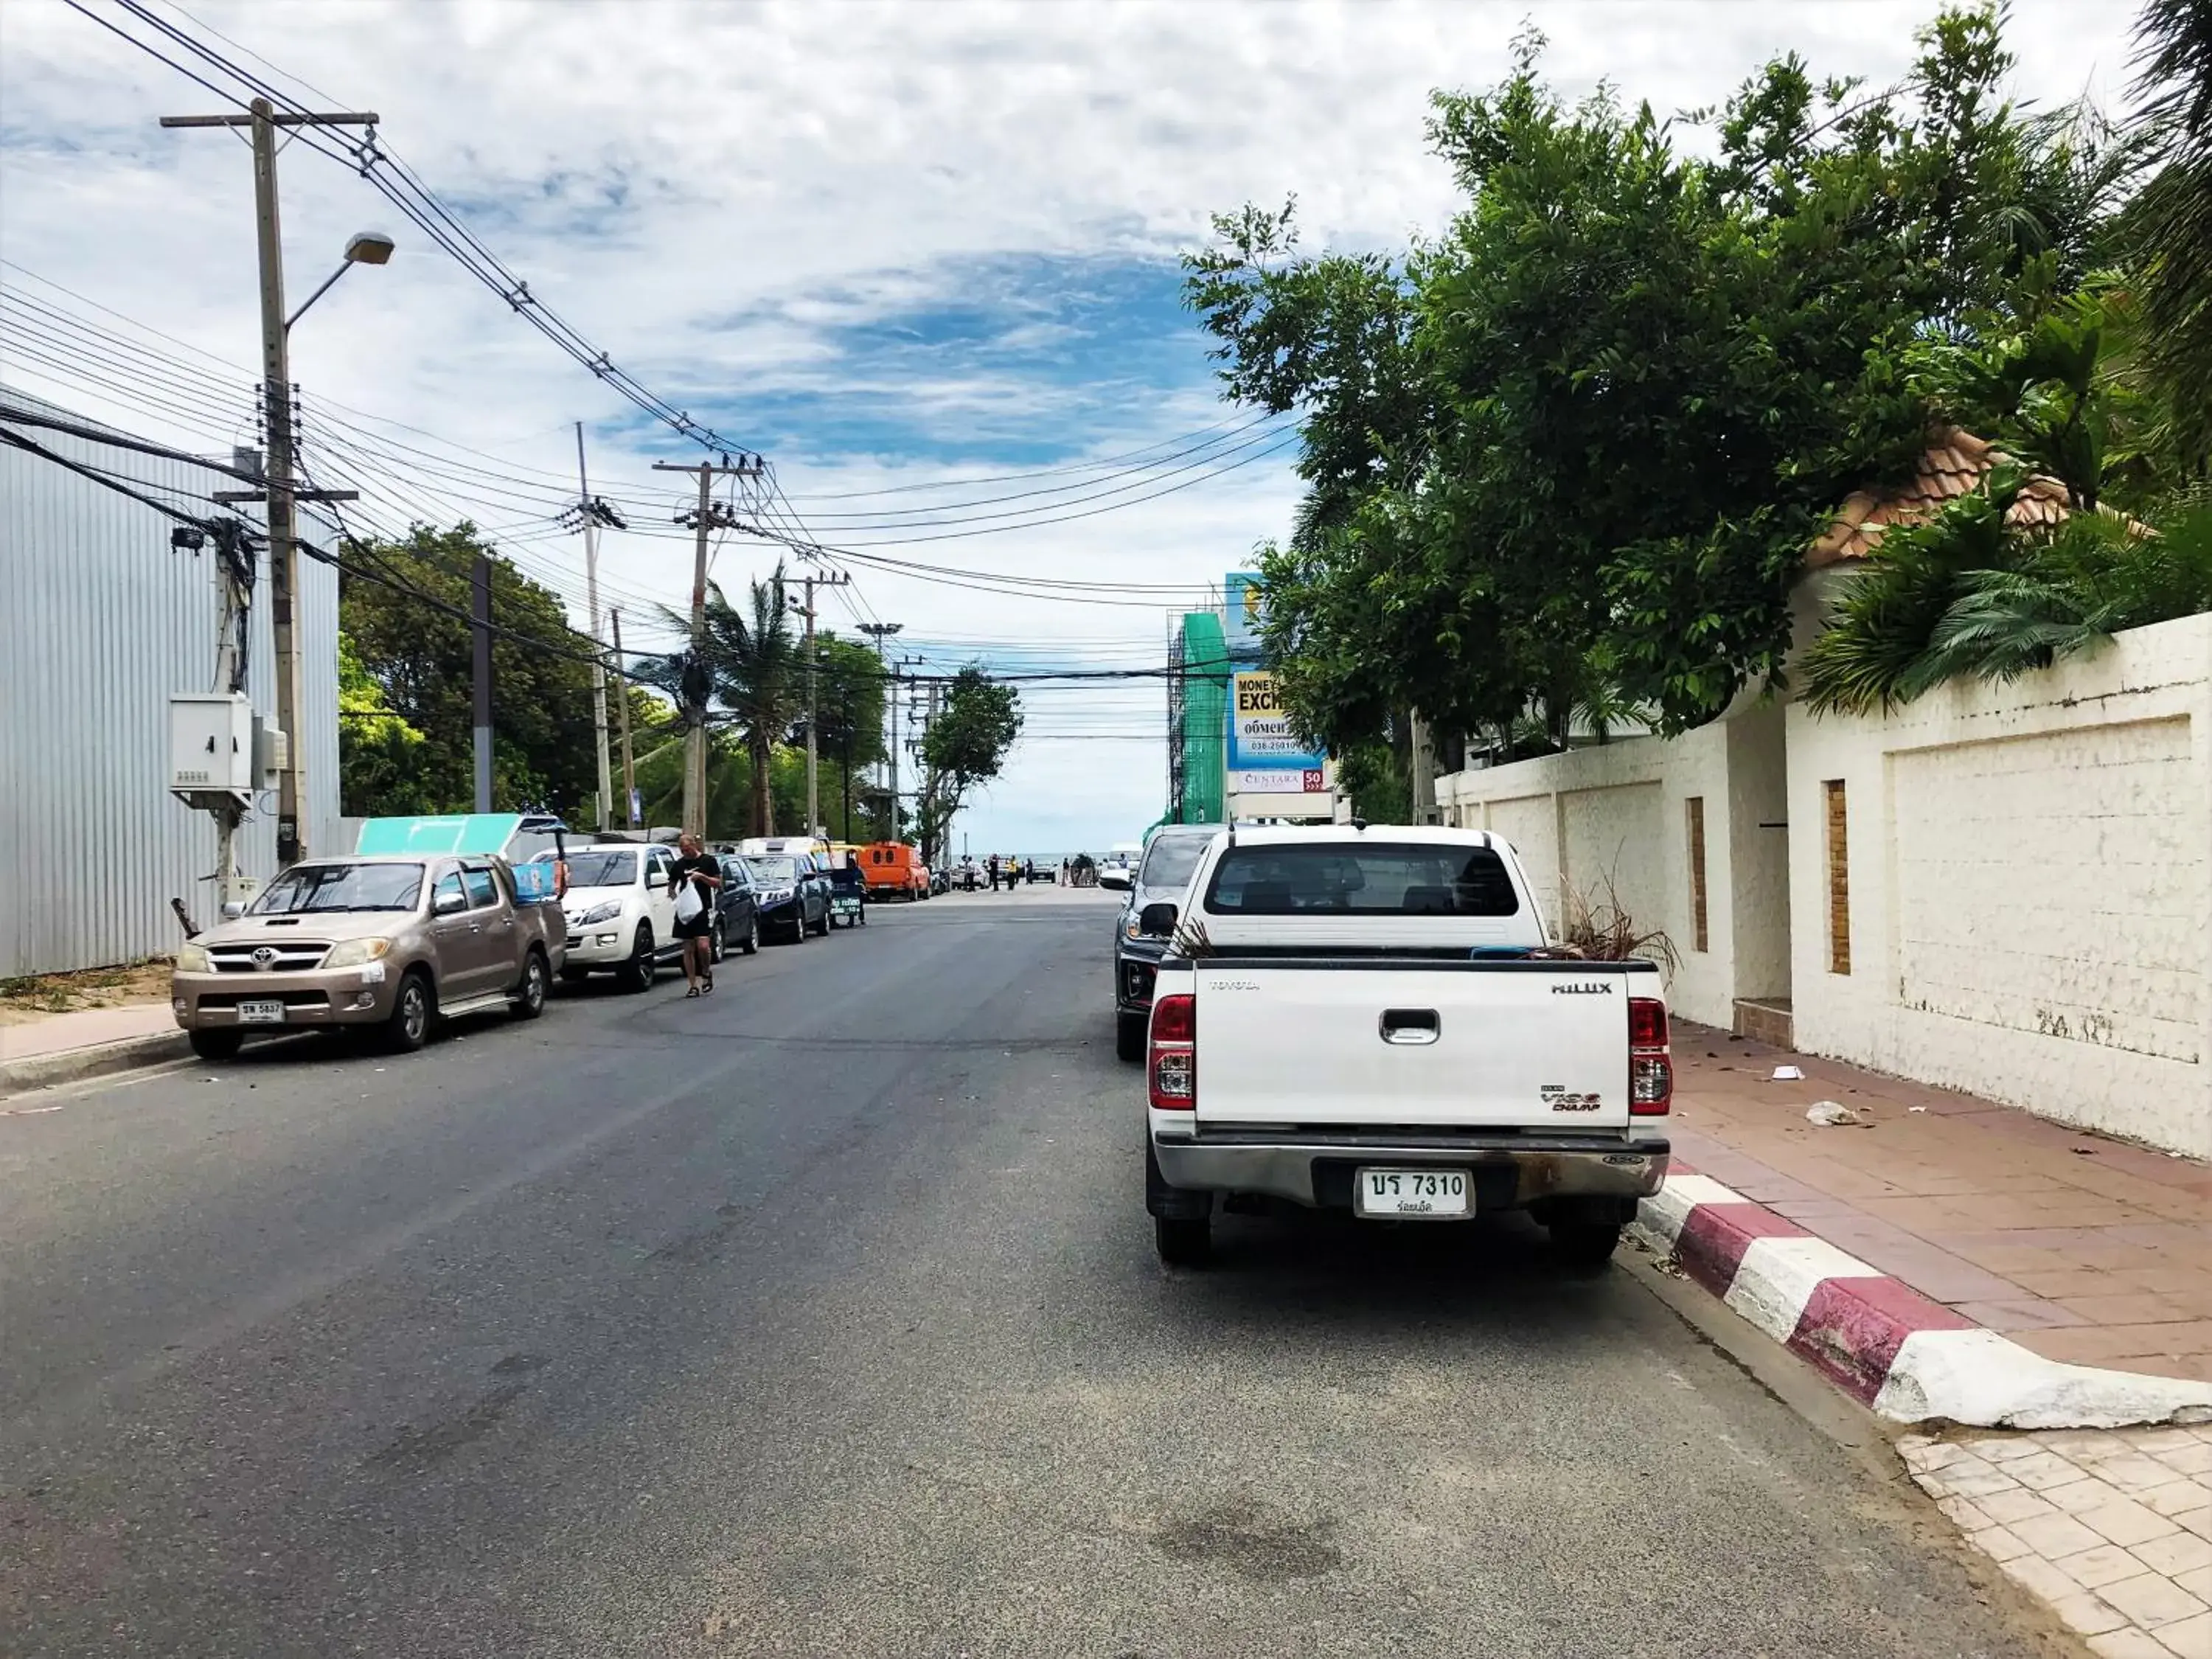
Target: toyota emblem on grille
[{"x": 264, "y": 958}]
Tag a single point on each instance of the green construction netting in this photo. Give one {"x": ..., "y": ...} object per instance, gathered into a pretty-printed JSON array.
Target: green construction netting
[{"x": 1205, "y": 717}]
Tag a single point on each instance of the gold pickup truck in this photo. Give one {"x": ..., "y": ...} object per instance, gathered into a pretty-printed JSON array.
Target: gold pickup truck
[{"x": 394, "y": 942}]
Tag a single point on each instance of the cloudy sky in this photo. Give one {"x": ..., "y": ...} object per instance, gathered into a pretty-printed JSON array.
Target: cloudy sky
[{"x": 922, "y": 256}]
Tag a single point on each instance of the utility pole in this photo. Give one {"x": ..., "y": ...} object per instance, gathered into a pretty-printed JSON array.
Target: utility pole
[
  {"x": 630, "y": 769},
  {"x": 590, "y": 513},
  {"x": 276, "y": 380},
  {"x": 909, "y": 679},
  {"x": 892, "y": 697},
  {"x": 709, "y": 515},
  {"x": 880, "y": 631},
  {"x": 480, "y": 627},
  {"x": 813, "y": 790}
]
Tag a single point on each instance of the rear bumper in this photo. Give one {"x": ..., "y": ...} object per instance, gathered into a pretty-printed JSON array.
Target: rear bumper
[{"x": 1510, "y": 1171}]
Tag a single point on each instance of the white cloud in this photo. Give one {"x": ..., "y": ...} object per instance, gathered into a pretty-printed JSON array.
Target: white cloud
[{"x": 713, "y": 193}]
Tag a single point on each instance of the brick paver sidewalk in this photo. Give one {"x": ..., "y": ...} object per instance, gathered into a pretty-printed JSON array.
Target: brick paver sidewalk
[{"x": 2084, "y": 1249}]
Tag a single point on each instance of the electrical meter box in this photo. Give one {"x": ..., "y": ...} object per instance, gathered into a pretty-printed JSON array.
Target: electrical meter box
[
  {"x": 210, "y": 744},
  {"x": 271, "y": 750}
]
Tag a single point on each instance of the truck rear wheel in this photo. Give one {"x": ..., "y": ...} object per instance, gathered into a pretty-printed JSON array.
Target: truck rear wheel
[
  {"x": 1184, "y": 1242},
  {"x": 530, "y": 995},
  {"x": 1130, "y": 1031},
  {"x": 1586, "y": 1246}
]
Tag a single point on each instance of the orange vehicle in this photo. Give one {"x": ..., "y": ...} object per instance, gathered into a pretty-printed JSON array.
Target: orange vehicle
[{"x": 893, "y": 867}]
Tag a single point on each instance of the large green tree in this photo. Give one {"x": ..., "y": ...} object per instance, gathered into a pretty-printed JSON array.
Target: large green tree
[
  {"x": 413, "y": 661},
  {"x": 1563, "y": 461},
  {"x": 848, "y": 727},
  {"x": 967, "y": 743}
]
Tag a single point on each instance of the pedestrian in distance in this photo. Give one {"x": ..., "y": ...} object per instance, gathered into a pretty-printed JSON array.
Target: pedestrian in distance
[
  {"x": 994, "y": 873},
  {"x": 692, "y": 884}
]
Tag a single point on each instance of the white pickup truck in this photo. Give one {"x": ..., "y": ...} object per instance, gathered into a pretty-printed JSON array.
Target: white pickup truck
[{"x": 1367, "y": 1019}]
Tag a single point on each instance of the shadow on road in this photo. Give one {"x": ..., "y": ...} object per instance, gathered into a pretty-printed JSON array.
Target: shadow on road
[{"x": 1329, "y": 1272}]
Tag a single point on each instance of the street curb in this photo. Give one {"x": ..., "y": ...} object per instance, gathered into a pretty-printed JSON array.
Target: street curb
[
  {"x": 1877, "y": 1338},
  {"x": 96, "y": 1060}
]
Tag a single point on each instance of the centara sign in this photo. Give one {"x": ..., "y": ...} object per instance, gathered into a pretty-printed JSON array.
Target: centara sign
[{"x": 1265, "y": 756}]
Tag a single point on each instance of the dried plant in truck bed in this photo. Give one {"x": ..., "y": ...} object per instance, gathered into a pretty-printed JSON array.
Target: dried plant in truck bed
[{"x": 1597, "y": 928}]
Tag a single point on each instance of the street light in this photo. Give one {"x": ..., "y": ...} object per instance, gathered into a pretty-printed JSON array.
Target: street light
[{"x": 364, "y": 247}]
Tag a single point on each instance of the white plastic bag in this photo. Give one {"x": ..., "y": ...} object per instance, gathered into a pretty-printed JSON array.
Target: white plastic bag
[{"x": 688, "y": 904}]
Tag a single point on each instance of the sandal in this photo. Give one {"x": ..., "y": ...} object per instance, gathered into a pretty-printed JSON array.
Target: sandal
[
  {"x": 693, "y": 992},
  {"x": 706, "y": 983}
]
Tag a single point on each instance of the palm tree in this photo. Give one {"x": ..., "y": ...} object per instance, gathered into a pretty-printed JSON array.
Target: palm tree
[
  {"x": 755, "y": 670},
  {"x": 2169, "y": 226}
]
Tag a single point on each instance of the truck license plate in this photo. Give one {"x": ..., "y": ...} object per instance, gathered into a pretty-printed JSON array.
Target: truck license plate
[
  {"x": 1420, "y": 1194},
  {"x": 270, "y": 1012}
]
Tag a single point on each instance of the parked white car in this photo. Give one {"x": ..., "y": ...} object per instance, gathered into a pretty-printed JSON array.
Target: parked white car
[{"x": 621, "y": 918}]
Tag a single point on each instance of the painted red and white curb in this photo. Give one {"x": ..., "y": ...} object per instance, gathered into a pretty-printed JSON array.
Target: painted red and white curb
[{"x": 1911, "y": 1359}]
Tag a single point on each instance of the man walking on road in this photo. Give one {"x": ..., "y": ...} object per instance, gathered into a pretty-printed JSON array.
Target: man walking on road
[{"x": 693, "y": 883}]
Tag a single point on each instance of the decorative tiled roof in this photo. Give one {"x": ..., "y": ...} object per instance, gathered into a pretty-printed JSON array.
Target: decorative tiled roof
[{"x": 1955, "y": 464}]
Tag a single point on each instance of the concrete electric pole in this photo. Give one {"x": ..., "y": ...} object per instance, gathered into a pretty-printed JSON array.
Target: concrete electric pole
[
  {"x": 480, "y": 658},
  {"x": 880, "y": 631},
  {"x": 710, "y": 515},
  {"x": 630, "y": 814},
  {"x": 262, "y": 118},
  {"x": 591, "y": 515},
  {"x": 813, "y": 787}
]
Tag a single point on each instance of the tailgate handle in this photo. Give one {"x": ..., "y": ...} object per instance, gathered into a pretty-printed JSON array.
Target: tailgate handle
[{"x": 1410, "y": 1025}]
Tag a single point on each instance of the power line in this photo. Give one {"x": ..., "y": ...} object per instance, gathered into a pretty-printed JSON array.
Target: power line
[{"x": 390, "y": 178}]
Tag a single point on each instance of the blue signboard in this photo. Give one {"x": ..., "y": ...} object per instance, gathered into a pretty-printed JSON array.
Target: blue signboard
[
  {"x": 1240, "y": 626},
  {"x": 1265, "y": 756}
]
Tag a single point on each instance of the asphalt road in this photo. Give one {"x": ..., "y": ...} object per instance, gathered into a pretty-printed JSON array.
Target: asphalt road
[{"x": 820, "y": 1316}]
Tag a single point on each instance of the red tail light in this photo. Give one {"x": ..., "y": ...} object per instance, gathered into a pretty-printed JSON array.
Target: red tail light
[
  {"x": 1650, "y": 1063},
  {"x": 1171, "y": 1067}
]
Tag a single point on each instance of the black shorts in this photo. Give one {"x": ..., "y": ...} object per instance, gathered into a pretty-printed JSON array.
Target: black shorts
[{"x": 698, "y": 927}]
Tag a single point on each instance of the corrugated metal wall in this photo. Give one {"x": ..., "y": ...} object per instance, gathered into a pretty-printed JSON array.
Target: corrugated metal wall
[{"x": 100, "y": 622}]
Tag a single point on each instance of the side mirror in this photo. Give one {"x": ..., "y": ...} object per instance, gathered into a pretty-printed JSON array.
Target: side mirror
[
  {"x": 1116, "y": 878},
  {"x": 1158, "y": 920},
  {"x": 448, "y": 904},
  {"x": 233, "y": 910}
]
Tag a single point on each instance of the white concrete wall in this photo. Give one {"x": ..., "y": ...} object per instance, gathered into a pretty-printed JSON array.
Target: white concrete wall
[
  {"x": 1617, "y": 813},
  {"x": 2031, "y": 888}
]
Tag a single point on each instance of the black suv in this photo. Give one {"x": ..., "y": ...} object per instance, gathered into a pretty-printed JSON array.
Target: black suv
[
  {"x": 1169, "y": 859},
  {"x": 737, "y": 909}
]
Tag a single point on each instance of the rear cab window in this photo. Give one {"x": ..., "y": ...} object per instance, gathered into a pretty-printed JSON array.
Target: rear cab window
[
  {"x": 483, "y": 886},
  {"x": 1364, "y": 879}
]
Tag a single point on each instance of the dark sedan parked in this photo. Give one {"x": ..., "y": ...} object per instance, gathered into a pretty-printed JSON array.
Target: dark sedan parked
[
  {"x": 793, "y": 893},
  {"x": 737, "y": 910},
  {"x": 1166, "y": 870}
]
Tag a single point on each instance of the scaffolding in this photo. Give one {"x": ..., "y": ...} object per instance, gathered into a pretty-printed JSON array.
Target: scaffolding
[{"x": 1198, "y": 695}]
